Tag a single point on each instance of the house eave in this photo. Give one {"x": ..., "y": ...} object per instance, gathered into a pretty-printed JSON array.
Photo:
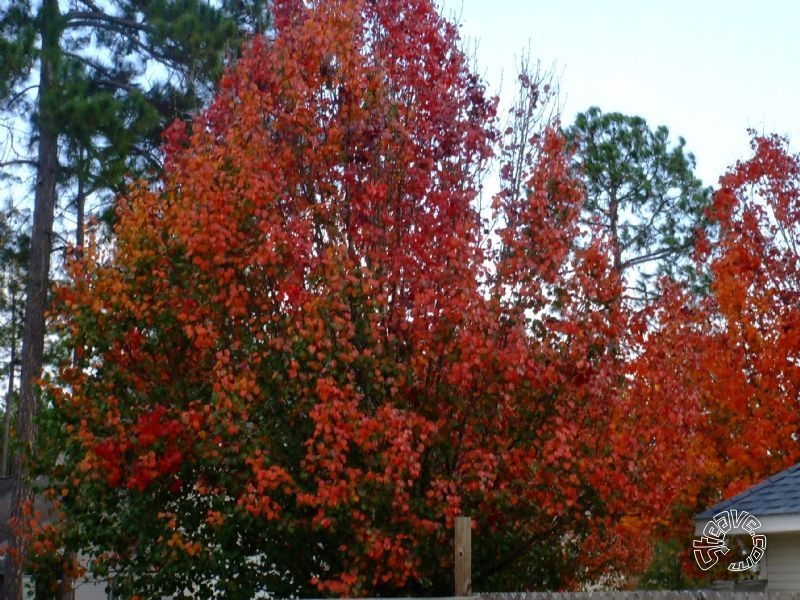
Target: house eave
[{"x": 788, "y": 523}]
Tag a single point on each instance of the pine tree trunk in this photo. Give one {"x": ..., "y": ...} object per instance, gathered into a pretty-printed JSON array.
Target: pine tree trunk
[{"x": 38, "y": 285}]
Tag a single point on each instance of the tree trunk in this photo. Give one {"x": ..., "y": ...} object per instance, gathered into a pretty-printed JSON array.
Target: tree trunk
[
  {"x": 38, "y": 286},
  {"x": 66, "y": 588},
  {"x": 12, "y": 367}
]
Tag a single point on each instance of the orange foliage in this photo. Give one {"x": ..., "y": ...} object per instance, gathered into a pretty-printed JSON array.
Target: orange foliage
[
  {"x": 295, "y": 369},
  {"x": 712, "y": 401}
]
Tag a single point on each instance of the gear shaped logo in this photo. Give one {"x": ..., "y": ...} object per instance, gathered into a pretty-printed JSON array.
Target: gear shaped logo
[{"x": 711, "y": 545}]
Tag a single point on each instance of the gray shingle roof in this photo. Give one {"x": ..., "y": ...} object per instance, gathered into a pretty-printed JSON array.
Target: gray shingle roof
[{"x": 778, "y": 495}]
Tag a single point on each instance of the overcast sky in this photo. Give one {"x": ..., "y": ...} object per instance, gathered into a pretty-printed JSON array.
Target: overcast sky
[{"x": 707, "y": 69}]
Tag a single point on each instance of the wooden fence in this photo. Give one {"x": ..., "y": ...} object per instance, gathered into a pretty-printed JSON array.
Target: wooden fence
[
  {"x": 642, "y": 595},
  {"x": 633, "y": 595},
  {"x": 463, "y": 583}
]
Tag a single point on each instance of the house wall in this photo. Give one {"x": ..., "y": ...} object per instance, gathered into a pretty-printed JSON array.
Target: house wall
[
  {"x": 90, "y": 590},
  {"x": 783, "y": 562}
]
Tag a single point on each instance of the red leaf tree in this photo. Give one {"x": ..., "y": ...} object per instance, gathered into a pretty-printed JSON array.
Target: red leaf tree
[
  {"x": 289, "y": 376},
  {"x": 561, "y": 300},
  {"x": 712, "y": 401},
  {"x": 293, "y": 367},
  {"x": 756, "y": 270}
]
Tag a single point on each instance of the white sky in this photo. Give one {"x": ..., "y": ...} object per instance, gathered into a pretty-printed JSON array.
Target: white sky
[{"x": 707, "y": 69}]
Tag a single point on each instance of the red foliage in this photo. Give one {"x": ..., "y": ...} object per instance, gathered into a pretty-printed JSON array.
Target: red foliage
[
  {"x": 712, "y": 402},
  {"x": 756, "y": 268},
  {"x": 299, "y": 320},
  {"x": 294, "y": 354}
]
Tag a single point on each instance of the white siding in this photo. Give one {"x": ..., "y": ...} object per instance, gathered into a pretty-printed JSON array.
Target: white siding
[
  {"x": 783, "y": 562},
  {"x": 90, "y": 590}
]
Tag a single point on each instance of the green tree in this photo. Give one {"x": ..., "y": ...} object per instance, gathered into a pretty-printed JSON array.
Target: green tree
[
  {"x": 642, "y": 196},
  {"x": 14, "y": 246},
  {"x": 88, "y": 87},
  {"x": 666, "y": 571}
]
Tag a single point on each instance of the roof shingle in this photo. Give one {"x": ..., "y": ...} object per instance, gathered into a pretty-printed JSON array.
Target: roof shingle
[{"x": 778, "y": 495}]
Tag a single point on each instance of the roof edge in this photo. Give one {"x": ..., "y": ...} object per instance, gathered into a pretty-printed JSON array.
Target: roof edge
[{"x": 786, "y": 523}]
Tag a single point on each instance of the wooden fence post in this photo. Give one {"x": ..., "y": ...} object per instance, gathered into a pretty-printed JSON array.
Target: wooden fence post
[{"x": 463, "y": 556}]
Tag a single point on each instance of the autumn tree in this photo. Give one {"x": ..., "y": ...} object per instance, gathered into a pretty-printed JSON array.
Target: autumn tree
[
  {"x": 614, "y": 205},
  {"x": 556, "y": 280},
  {"x": 711, "y": 407},
  {"x": 557, "y": 274},
  {"x": 749, "y": 377},
  {"x": 756, "y": 285},
  {"x": 293, "y": 367},
  {"x": 279, "y": 396}
]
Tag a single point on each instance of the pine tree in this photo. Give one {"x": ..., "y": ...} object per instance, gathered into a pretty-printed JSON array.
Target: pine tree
[{"x": 88, "y": 87}]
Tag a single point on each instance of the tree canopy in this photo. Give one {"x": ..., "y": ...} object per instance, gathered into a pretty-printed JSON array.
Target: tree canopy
[
  {"x": 294, "y": 350},
  {"x": 643, "y": 194},
  {"x": 300, "y": 356}
]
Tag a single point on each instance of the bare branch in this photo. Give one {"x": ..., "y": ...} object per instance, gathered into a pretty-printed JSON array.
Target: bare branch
[
  {"x": 77, "y": 18},
  {"x": 19, "y": 95},
  {"x": 18, "y": 162}
]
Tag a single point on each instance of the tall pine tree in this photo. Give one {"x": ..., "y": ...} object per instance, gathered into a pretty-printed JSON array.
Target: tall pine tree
[{"x": 86, "y": 88}]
